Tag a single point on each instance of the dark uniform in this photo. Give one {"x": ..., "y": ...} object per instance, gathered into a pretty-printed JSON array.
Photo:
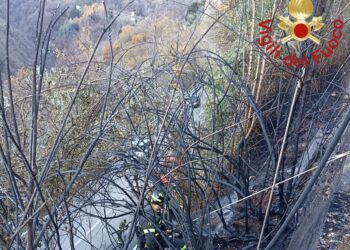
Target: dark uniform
[
  {"x": 150, "y": 237},
  {"x": 151, "y": 224},
  {"x": 120, "y": 233}
]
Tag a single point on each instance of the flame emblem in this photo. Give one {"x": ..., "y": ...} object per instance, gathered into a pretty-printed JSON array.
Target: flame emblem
[{"x": 300, "y": 29}]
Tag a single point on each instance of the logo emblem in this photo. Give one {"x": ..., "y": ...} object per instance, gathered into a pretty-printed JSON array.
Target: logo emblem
[{"x": 299, "y": 28}]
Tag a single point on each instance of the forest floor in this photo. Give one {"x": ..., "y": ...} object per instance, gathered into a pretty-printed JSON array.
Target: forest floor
[{"x": 336, "y": 231}]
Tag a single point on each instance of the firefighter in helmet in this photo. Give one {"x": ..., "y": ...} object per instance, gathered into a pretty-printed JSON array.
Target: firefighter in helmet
[{"x": 151, "y": 223}]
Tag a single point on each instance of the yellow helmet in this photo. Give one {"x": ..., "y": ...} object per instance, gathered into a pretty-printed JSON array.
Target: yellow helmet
[{"x": 157, "y": 197}]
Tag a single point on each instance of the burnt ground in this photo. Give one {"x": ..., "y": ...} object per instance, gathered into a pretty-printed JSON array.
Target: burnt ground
[
  {"x": 336, "y": 230},
  {"x": 336, "y": 233}
]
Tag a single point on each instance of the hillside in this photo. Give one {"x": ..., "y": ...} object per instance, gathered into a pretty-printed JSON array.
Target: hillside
[
  {"x": 164, "y": 124},
  {"x": 24, "y": 14}
]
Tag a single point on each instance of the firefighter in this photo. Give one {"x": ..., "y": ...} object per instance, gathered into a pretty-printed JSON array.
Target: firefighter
[
  {"x": 150, "y": 237},
  {"x": 123, "y": 226},
  {"x": 151, "y": 223}
]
